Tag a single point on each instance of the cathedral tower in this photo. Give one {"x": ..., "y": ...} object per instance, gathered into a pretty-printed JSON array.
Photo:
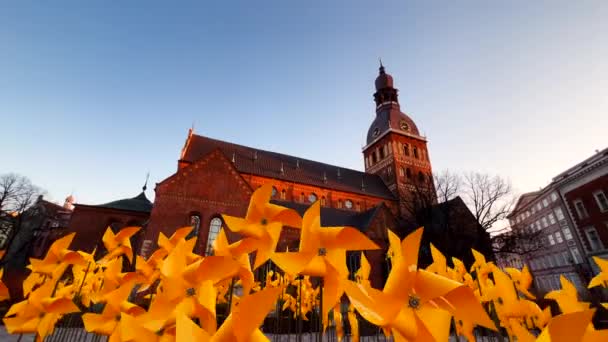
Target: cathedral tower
[{"x": 396, "y": 151}]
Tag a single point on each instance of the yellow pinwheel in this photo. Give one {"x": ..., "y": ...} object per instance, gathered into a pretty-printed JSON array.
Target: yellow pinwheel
[
  {"x": 57, "y": 257},
  {"x": 108, "y": 321},
  {"x": 602, "y": 278},
  {"x": 354, "y": 323},
  {"x": 119, "y": 244},
  {"x": 567, "y": 297},
  {"x": 522, "y": 280},
  {"x": 568, "y": 327},
  {"x": 263, "y": 224},
  {"x": 322, "y": 253},
  {"x": 39, "y": 312},
  {"x": 439, "y": 265},
  {"x": 414, "y": 304},
  {"x": 222, "y": 248},
  {"x": 241, "y": 325},
  {"x": 362, "y": 274}
]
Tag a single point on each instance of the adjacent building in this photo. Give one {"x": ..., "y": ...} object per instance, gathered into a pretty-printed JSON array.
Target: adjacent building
[{"x": 570, "y": 216}]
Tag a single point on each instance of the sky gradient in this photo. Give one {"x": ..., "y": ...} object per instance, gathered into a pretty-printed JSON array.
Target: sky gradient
[{"x": 93, "y": 96}]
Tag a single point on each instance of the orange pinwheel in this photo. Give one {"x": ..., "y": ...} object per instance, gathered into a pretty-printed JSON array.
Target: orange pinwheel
[
  {"x": 362, "y": 274},
  {"x": 39, "y": 312},
  {"x": 567, "y": 297},
  {"x": 263, "y": 223},
  {"x": 4, "y": 295},
  {"x": 602, "y": 278}
]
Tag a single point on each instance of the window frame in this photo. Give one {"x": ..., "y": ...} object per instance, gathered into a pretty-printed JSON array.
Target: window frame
[
  {"x": 592, "y": 229},
  {"x": 581, "y": 215},
  {"x": 598, "y": 202},
  {"x": 210, "y": 240}
]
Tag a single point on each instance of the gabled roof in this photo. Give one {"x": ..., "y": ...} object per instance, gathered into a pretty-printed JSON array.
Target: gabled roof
[
  {"x": 254, "y": 161},
  {"x": 333, "y": 217}
]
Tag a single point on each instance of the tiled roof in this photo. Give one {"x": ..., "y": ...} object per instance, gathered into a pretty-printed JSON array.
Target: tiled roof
[
  {"x": 333, "y": 217},
  {"x": 390, "y": 117},
  {"x": 284, "y": 167}
]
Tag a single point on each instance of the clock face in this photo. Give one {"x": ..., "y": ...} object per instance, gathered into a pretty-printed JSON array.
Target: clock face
[
  {"x": 312, "y": 198},
  {"x": 404, "y": 126},
  {"x": 376, "y": 132},
  {"x": 348, "y": 204}
]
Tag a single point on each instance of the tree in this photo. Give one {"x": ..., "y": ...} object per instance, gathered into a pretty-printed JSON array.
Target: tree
[
  {"x": 489, "y": 198},
  {"x": 17, "y": 198}
]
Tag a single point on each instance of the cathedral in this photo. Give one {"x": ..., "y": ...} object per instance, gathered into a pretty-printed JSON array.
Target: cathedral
[{"x": 216, "y": 177}]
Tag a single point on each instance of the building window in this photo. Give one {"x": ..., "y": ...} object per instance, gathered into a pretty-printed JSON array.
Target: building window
[
  {"x": 283, "y": 194},
  {"x": 415, "y": 152},
  {"x": 545, "y": 202},
  {"x": 301, "y": 197},
  {"x": 559, "y": 213},
  {"x": 339, "y": 203},
  {"x": 551, "y": 241},
  {"x": 381, "y": 152},
  {"x": 552, "y": 218},
  {"x": 214, "y": 228},
  {"x": 374, "y": 159},
  {"x": 567, "y": 233},
  {"x": 358, "y": 206},
  {"x": 580, "y": 209},
  {"x": 576, "y": 256},
  {"x": 420, "y": 177},
  {"x": 401, "y": 172},
  {"x": 323, "y": 201},
  {"x": 408, "y": 173},
  {"x": 549, "y": 261},
  {"x": 545, "y": 224},
  {"x": 389, "y": 170},
  {"x": 195, "y": 222},
  {"x": 558, "y": 237},
  {"x": 567, "y": 258},
  {"x": 538, "y": 207},
  {"x": 602, "y": 201},
  {"x": 274, "y": 192},
  {"x": 406, "y": 149},
  {"x": 312, "y": 198},
  {"x": 348, "y": 204},
  {"x": 594, "y": 239},
  {"x": 554, "y": 197}
]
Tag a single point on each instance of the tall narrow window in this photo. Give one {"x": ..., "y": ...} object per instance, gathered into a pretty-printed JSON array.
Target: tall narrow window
[
  {"x": 406, "y": 149},
  {"x": 401, "y": 172},
  {"x": 594, "y": 239},
  {"x": 420, "y": 177},
  {"x": 408, "y": 173},
  {"x": 214, "y": 228},
  {"x": 195, "y": 222},
  {"x": 274, "y": 192},
  {"x": 580, "y": 209},
  {"x": 323, "y": 201},
  {"x": 576, "y": 256},
  {"x": 283, "y": 194},
  {"x": 602, "y": 201},
  {"x": 415, "y": 152},
  {"x": 381, "y": 151}
]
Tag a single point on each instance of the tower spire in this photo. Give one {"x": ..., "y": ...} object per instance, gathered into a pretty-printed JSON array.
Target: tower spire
[{"x": 145, "y": 187}]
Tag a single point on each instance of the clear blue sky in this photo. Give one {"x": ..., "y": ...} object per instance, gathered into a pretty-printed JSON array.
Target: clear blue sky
[{"x": 92, "y": 96}]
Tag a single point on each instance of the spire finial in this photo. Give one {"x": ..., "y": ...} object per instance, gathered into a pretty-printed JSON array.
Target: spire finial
[
  {"x": 145, "y": 187},
  {"x": 381, "y": 66}
]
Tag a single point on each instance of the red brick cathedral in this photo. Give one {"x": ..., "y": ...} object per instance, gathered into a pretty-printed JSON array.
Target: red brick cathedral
[{"x": 215, "y": 177}]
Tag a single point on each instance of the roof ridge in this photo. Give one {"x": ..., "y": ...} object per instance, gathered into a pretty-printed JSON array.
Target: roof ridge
[{"x": 342, "y": 168}]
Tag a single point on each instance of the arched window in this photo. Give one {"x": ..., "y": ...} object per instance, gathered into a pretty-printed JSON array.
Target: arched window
[
  {"x": 374, "y": 159},
  {"x": 358, "y": 206},
  {"x": 406, "y": 149},
  {"x": 420, "y": 177},
  {"x": 214, "y": 228},
  {"x": 381, "y": 151},
  {"x": 323, "y": 201},
  {"x": 339, "y": 203},
  {"x": 302, "y": 197},
  {"x": 195, "y": 222},
  {"x": 274, "y": 192},
  {"x": 408, "y": 173},
  {"x": 415, "y": 152},
  {"x": 401, "y": 172},
  {"x": 283, "y": 194}
]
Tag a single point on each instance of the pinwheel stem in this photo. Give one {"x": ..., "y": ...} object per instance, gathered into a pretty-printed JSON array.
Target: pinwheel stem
[{"x": 230, "y": 297}]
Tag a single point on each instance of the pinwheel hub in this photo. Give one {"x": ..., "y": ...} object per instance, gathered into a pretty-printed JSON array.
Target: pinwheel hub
[
  {"x": 117, "y": 318},
  {"x": 264, "y": 221},
  {"x": 322, "y": 252},
  {"x": 413, "y": 301},
  {"x": 190, "y": 292},
  {"x": 160, "y": 332}
]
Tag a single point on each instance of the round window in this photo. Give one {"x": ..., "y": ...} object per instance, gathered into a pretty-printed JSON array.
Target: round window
[
  {"x": 312, "y": 198},
  {"x": 348, "y": 204}
]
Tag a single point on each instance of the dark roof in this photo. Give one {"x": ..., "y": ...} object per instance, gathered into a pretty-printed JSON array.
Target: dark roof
[
  {"x": 281, "y": 166},
  {"x": 138, "y": 203},
  {"x": 333, "y": 217}
]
